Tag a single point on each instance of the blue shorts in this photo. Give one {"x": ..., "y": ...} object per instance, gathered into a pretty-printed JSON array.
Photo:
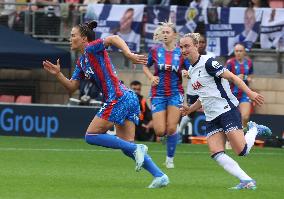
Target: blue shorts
[
  {"x": 124, "y": 108},
  {"x": 191, "y": 99},
  {"x": 159, "y": 104},
  {"x": 225, "y": 122}
]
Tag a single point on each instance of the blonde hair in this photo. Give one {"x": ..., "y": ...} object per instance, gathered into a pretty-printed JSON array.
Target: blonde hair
[
  {"x": 168, "y": 24},
  {"x": 157, "y": 34},
  {"x": 194, "y": 36}
]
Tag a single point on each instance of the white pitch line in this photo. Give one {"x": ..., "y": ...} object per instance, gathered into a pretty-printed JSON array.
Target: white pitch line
[{"x": 106, "y": 150}]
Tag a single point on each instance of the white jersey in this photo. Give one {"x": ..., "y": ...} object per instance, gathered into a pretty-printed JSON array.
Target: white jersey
[
  {"x": 214, "y": 92},
  {"x": 190, "y": 90}
]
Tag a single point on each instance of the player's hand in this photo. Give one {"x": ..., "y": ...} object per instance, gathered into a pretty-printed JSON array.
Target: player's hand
[
  {"x": 256, "y": 98},
  {"x": 138, "y": 59},
  {"x": 184, "y": 110},
  {"x": 185, "y": 74},
  {"x": 51, "y": 68},
  {"x": 155, "y": 80}
]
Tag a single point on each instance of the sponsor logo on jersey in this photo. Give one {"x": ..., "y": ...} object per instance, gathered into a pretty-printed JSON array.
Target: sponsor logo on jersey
[
  {"x": 216, "y": 64},
  {"x": 196, "y": 85}
]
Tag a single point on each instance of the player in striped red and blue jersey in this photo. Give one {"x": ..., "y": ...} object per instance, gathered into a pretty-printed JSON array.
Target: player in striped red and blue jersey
[
  {"x": 166, "y": 92},
  {"x": 241, "y": 66},
  {"x": 121, "y": 107}
]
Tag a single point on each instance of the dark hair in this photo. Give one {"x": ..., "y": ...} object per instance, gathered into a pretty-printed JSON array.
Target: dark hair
[
  {"x": 135, "y": 83},
  {"x": 87, "y": 30},
  {"x": 241, "y": 44}
]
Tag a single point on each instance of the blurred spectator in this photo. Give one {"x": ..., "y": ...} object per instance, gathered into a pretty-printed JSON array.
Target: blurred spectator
[
  {"x": 202, "y": 47},
  {"x": 9, "y": 12},
  {"x": 144, "y": 130},
  {"x": 88, "y": 92},
  {"x": 258, "y": 3},
  {"x": 241, "y": 66},
  {"x": 238, "y": 3}
]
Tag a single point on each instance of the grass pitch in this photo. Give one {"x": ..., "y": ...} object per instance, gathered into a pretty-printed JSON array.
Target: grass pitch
[{"x": 40, "y": 168}]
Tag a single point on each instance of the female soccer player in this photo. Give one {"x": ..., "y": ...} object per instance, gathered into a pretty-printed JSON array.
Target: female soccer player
[
  {"x": 243, "y": 68},
  {"x": 210, "y": 81},
  {"x": 166, "y": 92},
  {"x": 121, "y": 107}
]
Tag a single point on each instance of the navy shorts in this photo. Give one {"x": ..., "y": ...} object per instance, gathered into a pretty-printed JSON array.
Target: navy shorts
[
  {"x": 225, "y": 122},
  {"x": 191, "y": 99},
  {"x": 124, "y": 108}
]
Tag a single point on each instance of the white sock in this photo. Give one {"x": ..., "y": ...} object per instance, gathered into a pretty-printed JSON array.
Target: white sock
[
  {"x": 231, "y": 166},
  {"x": 250, "y": 138},
  {"x": 170, "y": 159},
  {"x": 184, "y": 121}
]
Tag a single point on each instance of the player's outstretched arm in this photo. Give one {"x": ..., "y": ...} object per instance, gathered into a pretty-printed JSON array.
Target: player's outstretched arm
[
  {"x": 186, "y": 110},
  {"x": 116, "y": 41},
  {"x": 54, "y": 69},
  {"x": 254, "y": 96}
]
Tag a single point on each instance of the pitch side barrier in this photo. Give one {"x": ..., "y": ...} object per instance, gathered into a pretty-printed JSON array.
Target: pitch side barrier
[{"x": 65, "y": 121}]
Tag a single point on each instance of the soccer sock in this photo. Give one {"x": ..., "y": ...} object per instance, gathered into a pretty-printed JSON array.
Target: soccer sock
[
  {"x": 230, "y": 165},
  {"x": 148, "y": 164},
  {"x": 171, "y": 145},
  {"x": 184, "y": 121},
  {"x": 110, "y": 141},
  {"x": 250, "y": 138}
]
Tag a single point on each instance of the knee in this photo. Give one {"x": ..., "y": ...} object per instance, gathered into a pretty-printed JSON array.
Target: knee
[
  {"x": 171, "y": 129},
  {"x": 160, "y": 131}
]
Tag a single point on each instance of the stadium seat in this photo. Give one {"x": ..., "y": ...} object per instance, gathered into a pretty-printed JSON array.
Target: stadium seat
[
  {"x": 23, "y": 99},
  {"x": 7, "y": 98}
]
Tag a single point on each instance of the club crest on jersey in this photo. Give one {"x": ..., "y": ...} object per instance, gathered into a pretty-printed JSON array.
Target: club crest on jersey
[
  {"x": 176, "y": 57},
  {"x": 216, "y": 64},
  {"x": 196, "y": 85},
  {"x": 89, "y": 72}
]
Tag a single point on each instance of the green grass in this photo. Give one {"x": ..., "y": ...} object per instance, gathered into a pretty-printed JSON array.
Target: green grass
[{"x": 40, "y": 168}]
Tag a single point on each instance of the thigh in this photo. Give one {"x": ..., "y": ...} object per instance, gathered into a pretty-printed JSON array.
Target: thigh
[
  {"x": 99, "y": 125},
  {"x": 126, "y": 131},
  {"x": 158, "y": 104},
  {"x": 245, "y": 108},
  {"x": 159, "y": 122},
  {"x": 237, "y": 140},
  {"x": 173, "y": 116},
  {"x": 216, "y": 142}
]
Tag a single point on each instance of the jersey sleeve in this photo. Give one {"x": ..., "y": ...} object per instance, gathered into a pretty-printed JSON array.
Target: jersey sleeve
[
  {"x": 78, "y": 73},
  {"x": 228, "y": 65},
  {"x": 95, "y": 46},
  {"x": 214, "y": 68}
]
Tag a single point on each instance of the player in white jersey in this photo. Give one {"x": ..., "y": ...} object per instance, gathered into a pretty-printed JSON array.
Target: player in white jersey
[
  {"x": 223, "y": 120},
  {"x": 191, "y": 95}
]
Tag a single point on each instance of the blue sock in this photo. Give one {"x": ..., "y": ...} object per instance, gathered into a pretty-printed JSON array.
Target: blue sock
[
  {"x": 149, "y": 165},
  {"x": 171, "y": 145},
  {"x": 110, "y": 141}
]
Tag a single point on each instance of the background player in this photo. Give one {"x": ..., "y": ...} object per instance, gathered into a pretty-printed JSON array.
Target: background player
[
  {"x": 243, "y": 68},
  {"x": 166, "y": 91}
]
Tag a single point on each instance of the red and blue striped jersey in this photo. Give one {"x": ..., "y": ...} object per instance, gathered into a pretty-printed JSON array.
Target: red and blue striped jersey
[
  {"x": 237, "y": 68},
  {"x": 168, "y": 66},
  {"x": 96, "y": 65}
]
